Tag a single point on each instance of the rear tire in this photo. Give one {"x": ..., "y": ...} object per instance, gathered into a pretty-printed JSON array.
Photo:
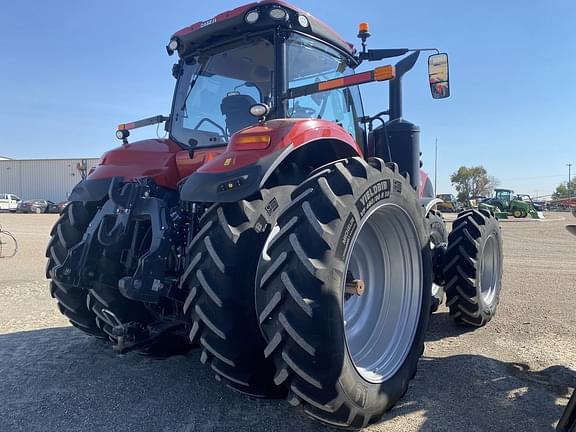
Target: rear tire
[
  {"x": 473, "y": 268},
  {"x": 66, "y": 233},
  {"x": 220, "y": 305},
  {"x": 338, "y": 368}
]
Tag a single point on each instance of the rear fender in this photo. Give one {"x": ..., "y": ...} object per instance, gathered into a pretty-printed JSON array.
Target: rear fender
[
  {"x": 297, "y": 146},
  {"x": 428, "y": 204}
]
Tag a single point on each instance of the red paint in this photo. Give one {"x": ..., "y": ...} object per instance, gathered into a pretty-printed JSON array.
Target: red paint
[
  {"x": 161, "y": 159},
  {"x": 164, "y": 161},
  {"x": 360, "y": 78},
  {"x": 283, "y": 133},
  {"x": 187, "y": 166},
  {"x": 218, "y": 18},
  {"x": 423, "y": 180},
  {"x": 315, "y": 22}
]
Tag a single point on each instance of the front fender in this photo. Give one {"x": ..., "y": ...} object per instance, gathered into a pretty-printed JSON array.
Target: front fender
[
  {"x": 238, "y": 173},
  {"x": 90, "y": 190}
]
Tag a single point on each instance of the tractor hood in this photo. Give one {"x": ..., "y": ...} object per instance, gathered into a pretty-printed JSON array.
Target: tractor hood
[
  {"x": 148, "y": 158},
  {"x": 163, "y": 160}
]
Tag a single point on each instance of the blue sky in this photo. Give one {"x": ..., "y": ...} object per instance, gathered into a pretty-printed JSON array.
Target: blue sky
[{"x": 71, "y": 71}]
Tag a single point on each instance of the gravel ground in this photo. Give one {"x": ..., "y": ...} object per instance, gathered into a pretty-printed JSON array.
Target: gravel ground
[{"x": 514, "y": 374}]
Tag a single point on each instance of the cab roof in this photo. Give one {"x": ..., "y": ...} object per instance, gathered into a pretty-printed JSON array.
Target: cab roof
[{"x": 232, "y": 23}]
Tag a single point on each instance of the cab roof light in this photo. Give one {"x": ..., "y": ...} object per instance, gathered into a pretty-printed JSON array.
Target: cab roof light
[
  {"x": 252, "y": 16},
  {"x": 277, "y": 13},
  {"x": 172, "y": 46},
  {"x": 303, "y": 21}
]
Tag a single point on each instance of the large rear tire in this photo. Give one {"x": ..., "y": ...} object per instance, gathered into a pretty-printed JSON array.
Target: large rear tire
[
  {"x": 220, "y": 305},
  {"x": 65, "y": 234},
  {"x": 346, "y": 358},
  {"x": 473, "y": 267}
]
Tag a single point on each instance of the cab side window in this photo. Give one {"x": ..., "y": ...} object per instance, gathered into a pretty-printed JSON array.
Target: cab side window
[{"x": 310, "y": 61}]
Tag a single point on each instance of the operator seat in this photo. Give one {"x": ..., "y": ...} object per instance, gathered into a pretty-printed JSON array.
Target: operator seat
[{"x": 236, "y": 109}]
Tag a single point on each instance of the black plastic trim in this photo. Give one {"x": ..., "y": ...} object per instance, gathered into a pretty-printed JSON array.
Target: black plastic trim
[{"x": 91, "y": 190}]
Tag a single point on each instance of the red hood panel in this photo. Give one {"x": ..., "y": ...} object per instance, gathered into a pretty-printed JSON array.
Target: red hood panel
[{"x": 161, "y": 159}]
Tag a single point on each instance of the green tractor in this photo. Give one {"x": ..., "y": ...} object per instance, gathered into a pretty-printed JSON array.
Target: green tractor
[{"x": 505, "y": 203}]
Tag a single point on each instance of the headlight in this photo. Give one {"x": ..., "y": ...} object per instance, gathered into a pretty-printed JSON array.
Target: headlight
[
  {"x": 278, "y": 13},
  {"x": 122, "y": 133},
  {"x": 252, "y": 16},
  {"x": 259, "y": 110},
  {"x": 303, "y": 21}
]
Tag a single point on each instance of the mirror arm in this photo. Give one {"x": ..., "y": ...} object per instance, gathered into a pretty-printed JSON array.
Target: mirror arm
[
  {"x": 123, "y": 131},
  {"x": 380, "y": 54},
  {"x": 395, "y": 94}
]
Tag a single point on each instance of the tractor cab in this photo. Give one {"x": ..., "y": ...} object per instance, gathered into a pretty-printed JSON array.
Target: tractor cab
[
  {"x": 218, "y": 87},
  {"x": 254, "y": 55},
  {"x": 505, "y": 196}
]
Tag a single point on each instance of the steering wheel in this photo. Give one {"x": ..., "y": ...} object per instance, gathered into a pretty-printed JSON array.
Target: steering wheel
[
  {"x": 212, "y": 122},
  {"x": 299, "y": 111}
]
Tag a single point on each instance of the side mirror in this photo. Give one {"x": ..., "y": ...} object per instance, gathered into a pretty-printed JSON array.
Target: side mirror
[{"x": 438, "y": 75}]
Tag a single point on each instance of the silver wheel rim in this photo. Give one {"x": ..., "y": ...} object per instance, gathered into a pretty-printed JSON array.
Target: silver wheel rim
[
  {"x": 490, "y": 269},
  {"x": 380, "y": 325}
]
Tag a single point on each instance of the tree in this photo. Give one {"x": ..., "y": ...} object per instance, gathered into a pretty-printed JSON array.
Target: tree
[
  {"x": 472, "y": 181},
  {"x": 562, "y": 190}
]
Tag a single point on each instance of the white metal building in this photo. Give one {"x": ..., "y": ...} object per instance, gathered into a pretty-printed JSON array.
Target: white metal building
[{"x": 51, "y": 179}]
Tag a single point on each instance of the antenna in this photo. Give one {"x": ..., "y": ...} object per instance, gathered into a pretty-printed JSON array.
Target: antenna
[{"x": 435, "y": 165}]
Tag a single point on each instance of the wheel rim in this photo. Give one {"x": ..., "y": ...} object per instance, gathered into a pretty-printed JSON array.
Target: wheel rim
[
  {"x": 490, "y": 269},
  {"x": 380, "y": 325}
]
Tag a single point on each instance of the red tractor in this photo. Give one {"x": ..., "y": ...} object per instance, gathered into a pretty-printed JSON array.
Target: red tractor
[{"x": 277, "y": 227}]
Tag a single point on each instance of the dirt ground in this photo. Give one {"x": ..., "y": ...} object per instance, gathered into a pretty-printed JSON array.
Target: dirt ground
[{"x": 514, "y": 374}]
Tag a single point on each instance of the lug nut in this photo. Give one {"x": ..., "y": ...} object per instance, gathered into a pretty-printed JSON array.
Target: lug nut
[{"x": 355, "y": 287}]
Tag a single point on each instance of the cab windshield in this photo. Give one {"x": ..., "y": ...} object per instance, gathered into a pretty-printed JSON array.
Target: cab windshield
[{"x": 214, "y": 93}]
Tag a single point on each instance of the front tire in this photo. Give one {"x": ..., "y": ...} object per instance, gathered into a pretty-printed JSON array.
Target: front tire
[
  {"x": 346, "y": 358},
  {"x": 473, "y": 269}
]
